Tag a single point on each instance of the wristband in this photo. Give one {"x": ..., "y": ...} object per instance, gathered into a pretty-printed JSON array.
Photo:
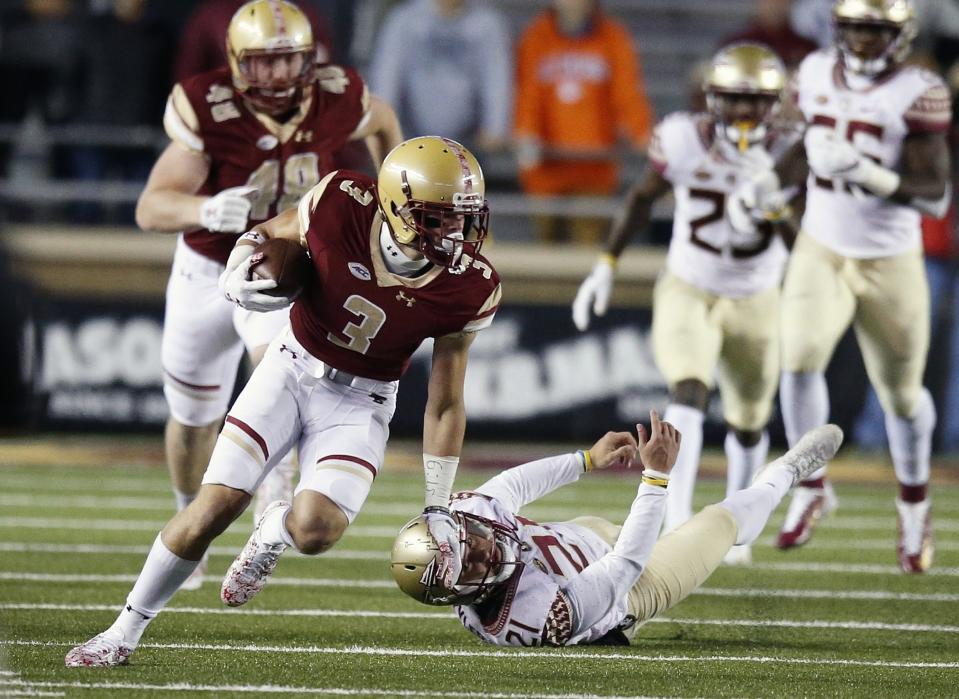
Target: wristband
[
  {"x": 439, "y": 472},
  {"x": 586, "y": 459},
  {"x": 656, "y": 478},
  {"x": 609, "y": 259}
]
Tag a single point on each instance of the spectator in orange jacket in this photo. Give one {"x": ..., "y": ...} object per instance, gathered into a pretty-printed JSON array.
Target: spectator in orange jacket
[{"x": 579, "y": 91}]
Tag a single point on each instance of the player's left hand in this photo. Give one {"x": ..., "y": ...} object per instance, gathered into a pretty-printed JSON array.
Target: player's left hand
[
  {"x": 659, "y": 447},
  {"x": 237, "y": 286},
  {"x": 614, "y": 449},
  {"x": 830, "y": 156},
  {"x": 444, "y": 530}
]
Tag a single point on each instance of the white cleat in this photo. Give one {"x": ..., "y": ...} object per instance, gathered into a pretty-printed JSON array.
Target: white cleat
[
  {"x": 811, "y": 452},
  {"x": 195, "y": 581},
  {"x": 106, "y": 649},
  {"x": 916, "y": 547},
  {"x": 741, "y": 555},
  {"x": 250, "y": 570}
]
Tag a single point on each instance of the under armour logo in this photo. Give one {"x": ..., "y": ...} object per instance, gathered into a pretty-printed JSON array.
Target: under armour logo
[
  {"x": 284, "y": 348},
  {"x": 403, "y": 297},
  {"x": 377, "y": 398},
  {"x": 301, "y": 136}
]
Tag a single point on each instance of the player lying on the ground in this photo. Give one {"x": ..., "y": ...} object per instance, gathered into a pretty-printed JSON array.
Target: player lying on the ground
[{"x": 587, "y": 580}]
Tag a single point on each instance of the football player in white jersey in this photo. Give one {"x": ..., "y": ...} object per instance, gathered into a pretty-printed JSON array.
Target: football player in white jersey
[
  {"x": 717, "y": 303},
  {"x": 588, "y": 581},
  {"x": 877, "y": 157}
]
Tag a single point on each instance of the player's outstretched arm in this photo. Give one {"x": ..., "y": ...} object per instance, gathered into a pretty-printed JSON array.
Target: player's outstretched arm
[
  {"x": 526, "y": 483},
  {"x": 594, "y": 292},
  {"x": 381, "y": 132},
  {"x": 924, "y": 177}
]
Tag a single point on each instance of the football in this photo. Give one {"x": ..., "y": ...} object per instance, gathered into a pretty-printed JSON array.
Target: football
[{"x": 285, "y": 262}]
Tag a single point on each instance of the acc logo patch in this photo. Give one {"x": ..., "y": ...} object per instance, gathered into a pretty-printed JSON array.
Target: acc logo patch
[
  {"x": 267, "y": 142},
  {"x": 359, "y": 271}
]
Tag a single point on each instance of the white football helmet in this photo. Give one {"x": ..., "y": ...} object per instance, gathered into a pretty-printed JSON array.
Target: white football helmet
[{"x": 490, "y": 555}]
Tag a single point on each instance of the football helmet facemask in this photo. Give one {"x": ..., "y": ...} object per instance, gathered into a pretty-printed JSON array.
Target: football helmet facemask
[
  {"x": 272, "y": 56},
  {"x": 744, "y": 84},
  {"x": 432, "y": 193},
  {"x": 489, "y": 553},
  {"x": 873, "y": 35}
]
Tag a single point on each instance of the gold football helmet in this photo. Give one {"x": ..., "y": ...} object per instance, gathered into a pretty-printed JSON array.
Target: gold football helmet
[
  {"x": 432, "y": 192},
  {"x": 744, "y": 84},
  {"x": 893, "y": 27},
  {"x": 489, "y": 557},
  {"x": 270, "y": 49}
]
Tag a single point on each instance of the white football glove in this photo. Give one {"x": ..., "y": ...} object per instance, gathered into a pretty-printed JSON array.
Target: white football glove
[
  {"x": 236, "y": 285},
  {"x": 444, "y": 530},
  {"x": 759, "y": 198},
  {"x": 227, "y": 211},
  {"x": 833, "y": 157},
  {"x": 593, "y": 293}
]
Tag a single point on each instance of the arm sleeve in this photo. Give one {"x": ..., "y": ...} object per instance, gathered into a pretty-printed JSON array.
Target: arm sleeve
[
  {"x": 931, "y": 112},
  {"x": 592, "y": 593},
  {"x": 523, "y": 484},
  {"x": 497, "y": 79}
]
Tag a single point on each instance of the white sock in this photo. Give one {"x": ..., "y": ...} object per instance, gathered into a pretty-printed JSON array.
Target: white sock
[
  {"x": 161, "y": 576},
  {"x": 752, "y": 507},
  {"x": 273, "y": 529},
  {"x": 182, "y": 499},
  {"x": 804, "y": 401},
  {"x": 679, "y": 495},
  {"x": 910, "y": 441},
  {"x": 742, "y": 463}
]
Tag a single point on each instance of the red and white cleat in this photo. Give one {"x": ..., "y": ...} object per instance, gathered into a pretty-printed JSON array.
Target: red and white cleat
[
  {"x": 808, "y": 506},
  {"x": 916, "y": 547},
  {"x": 106, "y": 649},
  {"x": 250, "y": 570}
]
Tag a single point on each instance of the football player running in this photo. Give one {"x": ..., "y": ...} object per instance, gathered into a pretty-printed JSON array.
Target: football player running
[
  {"x": 877, "y": 157},
  {"x": 397, "y": 261},
  {"x": 248, "y": 141},
  {"x": 588, "y": 581},
  {"x": 717, "y": 303}
]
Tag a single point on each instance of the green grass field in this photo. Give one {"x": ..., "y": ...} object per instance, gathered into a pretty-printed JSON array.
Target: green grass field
[{"x": 833, "y": 619}]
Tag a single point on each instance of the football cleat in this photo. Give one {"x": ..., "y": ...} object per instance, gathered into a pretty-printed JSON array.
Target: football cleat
[
  {"x": 808, "y": 506},
  {"x": 195, "y": 581},
  {"x": 741, "y": 555},
  {"x": 250, "y": 570},
  {"x": 916, "y": 547},
  {"x": 106, "y": 649}
]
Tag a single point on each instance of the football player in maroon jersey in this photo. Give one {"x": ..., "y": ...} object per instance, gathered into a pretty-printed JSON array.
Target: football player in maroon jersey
[
  {"x": 397, "y": 261},
  {"x": 248, "y": 141}
]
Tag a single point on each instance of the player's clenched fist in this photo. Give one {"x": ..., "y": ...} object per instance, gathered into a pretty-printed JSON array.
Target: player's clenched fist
[
  {"x": 659, "y": 446},
  {"x": 227, "y": 212}
]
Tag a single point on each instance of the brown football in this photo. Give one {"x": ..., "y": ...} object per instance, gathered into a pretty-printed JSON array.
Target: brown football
[{"x": 285, "y": 262}]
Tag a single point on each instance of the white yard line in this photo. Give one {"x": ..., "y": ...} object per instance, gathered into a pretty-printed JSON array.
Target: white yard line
[
  {"x": 323, "y": 691},
  {"x": 511, "y": 654},
  {"x": 363, "y": 614},
  {"x": 116, "y": 549}
]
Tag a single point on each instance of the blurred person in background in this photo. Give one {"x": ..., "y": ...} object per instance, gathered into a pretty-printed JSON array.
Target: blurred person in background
[
  {"x": 248, "y": 141},
  {"x": 446, "y": 66},
  {"x": 771, "y": 25},
  {"x": 717, "y": 304},
  {"x": 874, "y": 159},
  {"x": 579, "y": 91}
]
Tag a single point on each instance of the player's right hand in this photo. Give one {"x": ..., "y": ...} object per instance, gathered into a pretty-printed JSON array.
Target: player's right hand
[
  {"x": 237, "y": 286},
  {"x": 659, "y": 447},
  {"x": 227, "y": 212},
  {"x": 444, "y": 530},
  {"x": 593, "y": 294}
]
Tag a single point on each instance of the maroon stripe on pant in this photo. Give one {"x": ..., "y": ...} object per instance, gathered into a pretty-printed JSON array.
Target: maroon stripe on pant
[
  {"x": 346, "y": 457},
  {"x": 254, "y": 435}
]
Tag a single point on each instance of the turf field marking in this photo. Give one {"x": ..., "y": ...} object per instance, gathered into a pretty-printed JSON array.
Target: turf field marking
[
  {"x": 328, "y": 691},
  {"x": 512, "y": 654},
  {"x": 364, "y": 614},
  {"x": 115, "y": 549}
]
